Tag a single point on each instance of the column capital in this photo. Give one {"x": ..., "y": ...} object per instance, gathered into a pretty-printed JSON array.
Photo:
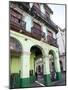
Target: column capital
[
  {"x": 26, "y": 52},
  {"x": 46, "y": 56}
]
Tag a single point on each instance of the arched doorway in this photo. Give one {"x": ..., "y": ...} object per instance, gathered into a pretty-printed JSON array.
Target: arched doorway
[
  {"x": 36, "y": 64},
  {"x": 52, "y": 65},
  {"x": 15, "y": 62}
]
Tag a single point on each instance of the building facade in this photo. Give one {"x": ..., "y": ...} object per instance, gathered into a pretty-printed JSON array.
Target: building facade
[
  {"x": 33, "y": 45},
  {"x": 61, "y": 45}
]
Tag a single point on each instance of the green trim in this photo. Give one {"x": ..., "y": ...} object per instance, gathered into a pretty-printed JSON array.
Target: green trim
[
  {"x": 32, "y": 78},
  {"x": 47, "y": 80},
  {"x": 58, "y": 76},
  {"x": 25, "y": 83},
  {"x": 14, "y": 80}
]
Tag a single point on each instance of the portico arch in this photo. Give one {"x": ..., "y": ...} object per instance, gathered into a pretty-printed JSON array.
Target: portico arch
[
  {"x": 15, "y": 62},
  {"x": 36, "y": 63},
  {"x": 54, "y": 65}
]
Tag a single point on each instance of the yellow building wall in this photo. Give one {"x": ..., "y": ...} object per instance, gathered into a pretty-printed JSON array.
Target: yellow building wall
[{"x": 15, "y": 64}]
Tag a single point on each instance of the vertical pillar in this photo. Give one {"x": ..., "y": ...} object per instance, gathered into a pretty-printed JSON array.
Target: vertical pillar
[
  {"x": 57, "y": 66},
  {"x": 32, "y": 67},
  {"x": 25, "y": 66},
  {"x": 64, "y": 64},
  {"x": 47, "y": 77}
]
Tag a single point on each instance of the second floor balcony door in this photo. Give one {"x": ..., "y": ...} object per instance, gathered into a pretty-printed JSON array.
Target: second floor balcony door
[
  {"x": 36, "y": 30},
  {"x": 50, "y": 34}
]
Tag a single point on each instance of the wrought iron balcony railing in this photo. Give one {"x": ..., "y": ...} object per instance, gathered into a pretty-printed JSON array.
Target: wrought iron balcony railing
[{"x": 52, "y": 41}]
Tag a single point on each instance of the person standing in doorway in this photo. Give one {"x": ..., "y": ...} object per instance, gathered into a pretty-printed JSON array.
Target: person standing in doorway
[{"x": 36, "y": 75}]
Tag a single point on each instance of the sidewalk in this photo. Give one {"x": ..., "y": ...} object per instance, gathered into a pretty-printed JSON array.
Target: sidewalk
[
  {"x": 54, "y": 83},
  {"x": 62, "y": 82}
]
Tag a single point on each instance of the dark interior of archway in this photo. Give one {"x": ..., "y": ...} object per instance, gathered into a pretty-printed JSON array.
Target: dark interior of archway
[
  {"x": 36, "y": 50},
  {"x": 51, "y": 52}
]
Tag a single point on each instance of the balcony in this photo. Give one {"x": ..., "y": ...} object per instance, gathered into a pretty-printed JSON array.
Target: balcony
[
  {"x": 51, "y": 41},
  {"x": 41, "y": 16},
  {"x": 17, "y": 24},
  {"x": 36, "y": 33}
]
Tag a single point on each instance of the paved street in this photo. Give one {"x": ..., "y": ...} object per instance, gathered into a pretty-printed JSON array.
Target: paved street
[{"x": 40, "y": 82}]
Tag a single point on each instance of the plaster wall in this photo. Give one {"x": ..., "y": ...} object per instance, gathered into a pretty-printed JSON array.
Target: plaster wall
[{"x": 15, "y": 64}]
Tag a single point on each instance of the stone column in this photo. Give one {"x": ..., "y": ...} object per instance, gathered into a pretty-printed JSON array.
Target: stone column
[
  {"x": 57, "y": 66},
  {"x": 25, "y": 67},
  {"x": 47, "y": 77}
]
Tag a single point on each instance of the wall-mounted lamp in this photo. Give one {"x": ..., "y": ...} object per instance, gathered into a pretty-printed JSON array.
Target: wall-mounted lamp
[{"x": 26, "y": 39}]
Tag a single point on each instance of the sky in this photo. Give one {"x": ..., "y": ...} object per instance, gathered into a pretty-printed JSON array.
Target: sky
[{"x": 58, "y": 14}]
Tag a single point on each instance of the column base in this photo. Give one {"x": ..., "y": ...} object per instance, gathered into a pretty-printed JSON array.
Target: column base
[
  {"x": 25, "y": 83},
  {"x": 58, "y": 76},
  {"x": 14, "y": 81},
  {"x": 32, "y": 79},
  {"x": 47, "y": 80}
]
